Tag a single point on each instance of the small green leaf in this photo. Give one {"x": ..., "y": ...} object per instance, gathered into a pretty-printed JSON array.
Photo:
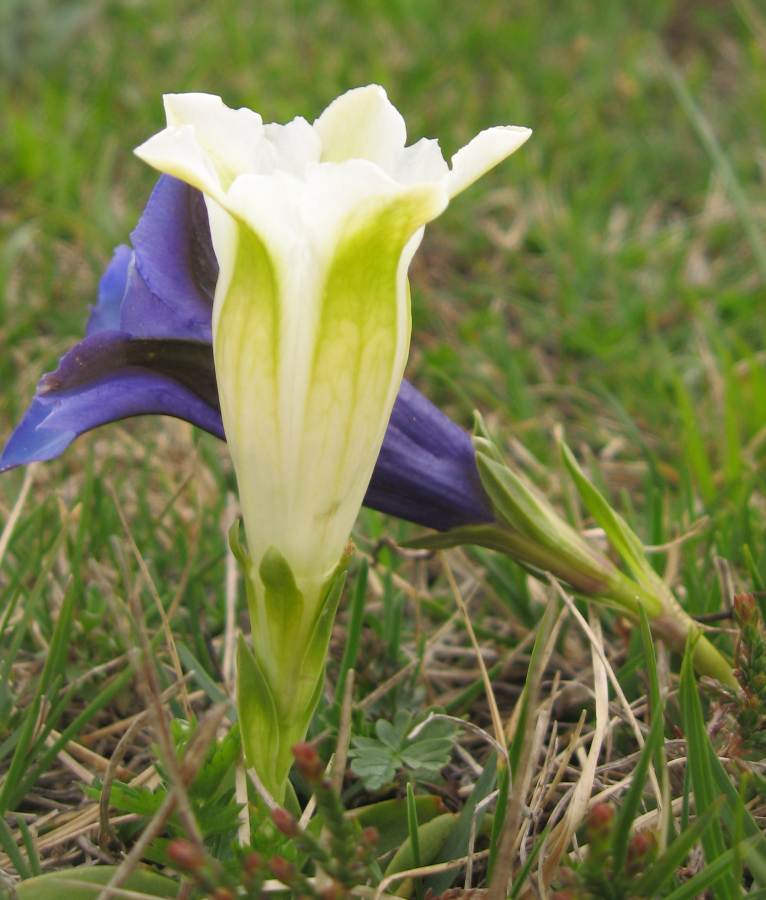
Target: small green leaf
[
  {"x": 394, "y": 734},
  {"x": 219, "y": 765},
  {"x": 432, "y": 754},
  {"x": 431, "y": 838},
  {"x": 377, "y": 759},
  {"x": 375, "y": 765},
  {"x": 70, "y": 884},
  {"x": 137, "y": 800},
  {"x": 389, "y": 818},
  {"x": 315, "y": 653}
]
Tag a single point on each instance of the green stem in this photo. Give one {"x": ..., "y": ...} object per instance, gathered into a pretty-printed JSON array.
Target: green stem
[
  {"x": 612, "y": 587},
  {"x": 669, "y": 622},
  {"x": 597, "y": 578}
]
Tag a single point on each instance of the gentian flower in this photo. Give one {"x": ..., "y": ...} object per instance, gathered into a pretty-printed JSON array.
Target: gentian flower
[{"x": 314, "y": 228}]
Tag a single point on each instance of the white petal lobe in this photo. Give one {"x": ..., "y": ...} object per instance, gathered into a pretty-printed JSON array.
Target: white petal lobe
[{"x": 483, "y": 153}]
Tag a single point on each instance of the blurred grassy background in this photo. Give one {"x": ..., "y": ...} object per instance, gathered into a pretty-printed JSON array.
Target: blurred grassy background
[{"x": 610, "y": 276}]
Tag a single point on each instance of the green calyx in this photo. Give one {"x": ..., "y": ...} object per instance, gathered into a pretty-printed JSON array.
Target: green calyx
[{"x": 280, "y": 678}]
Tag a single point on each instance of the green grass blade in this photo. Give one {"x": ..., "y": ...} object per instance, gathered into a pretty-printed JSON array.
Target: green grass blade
[
  {"x": 13, "y": 851},
  {"x": 30, "y": 606},
  {"x": 412, "y": 829},
  {"x": 102, "y": 698},
  {"x": 498, "y": 820},
  {"x": 29, "y": 846},
  {"x": 709, "y": 877},
  {"x": 59, "y": 644},
  {"x": 655, "y": 702},
  {"x": 733, "y": 811},
  {"x": 693, "y": 444},
  {"x": 193, "y": 665},
  {"x": 521, "y": 878},
  {"x": 720, "y": 161},
  {"x": 354, "y": 633},
  {"x": 632, "y": 801},
  {"x": 703, "y": 783},
  {"x": 20, "y": 759},
  {"x": 664, "y": 868}
]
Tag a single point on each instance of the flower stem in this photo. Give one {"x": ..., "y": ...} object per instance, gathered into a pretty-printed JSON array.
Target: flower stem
[{"x": 669, "y": 622}]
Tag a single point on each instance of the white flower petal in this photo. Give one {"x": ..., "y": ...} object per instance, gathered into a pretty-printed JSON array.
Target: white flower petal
[
  {"x": 297, "y": 145},
  {"x": 423, "y": 161},
  {"x": 176, "y": 151},
  {"x": 484, "y": 152},
  {"x": 362, "y": 124}
]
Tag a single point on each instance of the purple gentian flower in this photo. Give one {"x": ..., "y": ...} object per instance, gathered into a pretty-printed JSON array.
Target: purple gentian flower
[{"x": 148, "y": 350}]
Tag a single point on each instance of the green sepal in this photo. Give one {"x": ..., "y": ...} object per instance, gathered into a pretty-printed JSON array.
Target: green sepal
[
  {"x": 237, "y": 547},
  {"x": 316, "y": 650},
  {"x": 283, "y": 602},
  {"x": 243, "y": 559},
  {"x": 258, "y": 720},
  {"x": 523, "y": 509},
  {"x": 619, "y": 534},
  {"x": 315, "y": 656}
]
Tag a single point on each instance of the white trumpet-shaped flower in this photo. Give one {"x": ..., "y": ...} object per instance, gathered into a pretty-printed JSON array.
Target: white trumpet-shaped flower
[{"x": 314, "y": 227}]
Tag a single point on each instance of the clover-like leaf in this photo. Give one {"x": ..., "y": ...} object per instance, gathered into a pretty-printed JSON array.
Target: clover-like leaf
[{"x": 376, "y": 760}]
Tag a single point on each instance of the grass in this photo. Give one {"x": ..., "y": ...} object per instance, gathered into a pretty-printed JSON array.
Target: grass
[{"x": 610, "y": 278}]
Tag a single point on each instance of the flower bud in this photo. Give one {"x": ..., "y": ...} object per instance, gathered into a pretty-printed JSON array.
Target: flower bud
[
  {"x": 308, "y": 762},
  {"x": 284, "y": 822},
  {"x": 281, "y": 869},
  {"x": 641, "y": 849},
  {"x": 600, "y": 820},
  {"x": 745, "y": 609},
  {"x": 222, "y": 893},
  {"x": 252, "y": 863},
  {"x": 185, "y": 854}
]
